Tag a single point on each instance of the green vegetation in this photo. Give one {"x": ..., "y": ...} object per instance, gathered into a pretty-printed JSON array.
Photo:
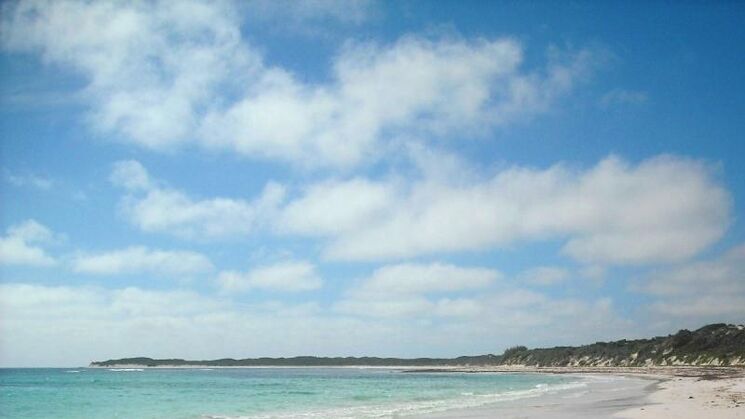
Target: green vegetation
[
  {"x": 514, "y": 351},
  {"x": 715, "y": 344}
]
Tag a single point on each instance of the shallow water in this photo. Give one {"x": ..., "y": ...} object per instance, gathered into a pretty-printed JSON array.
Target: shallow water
[{"x": 258, "y": 392}]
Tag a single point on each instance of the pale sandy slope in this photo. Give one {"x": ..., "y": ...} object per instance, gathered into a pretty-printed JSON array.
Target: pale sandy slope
[{"x": 694, "y": 398}]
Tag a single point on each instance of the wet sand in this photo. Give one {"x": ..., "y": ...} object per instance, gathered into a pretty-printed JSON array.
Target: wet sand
[{"x": 625, "y": 393}]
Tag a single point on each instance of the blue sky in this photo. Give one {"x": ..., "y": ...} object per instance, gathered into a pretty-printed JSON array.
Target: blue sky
[{"x": 205, "y": 180}]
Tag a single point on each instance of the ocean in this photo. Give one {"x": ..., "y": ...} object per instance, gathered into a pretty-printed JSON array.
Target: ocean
[{"x": 259, "y": 393}]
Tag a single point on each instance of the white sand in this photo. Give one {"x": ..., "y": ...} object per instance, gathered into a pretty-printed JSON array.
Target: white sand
[
  {"x": 628, "y": 393},
  {"x": 603, "y": 396},
  {"x": 692, "y": 397}
]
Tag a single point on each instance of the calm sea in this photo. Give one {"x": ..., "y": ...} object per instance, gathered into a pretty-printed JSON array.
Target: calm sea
[{"x": 257, "y": 393}]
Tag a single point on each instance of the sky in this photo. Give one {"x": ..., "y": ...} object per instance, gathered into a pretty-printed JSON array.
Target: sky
[{"x": 205, "y": 180}]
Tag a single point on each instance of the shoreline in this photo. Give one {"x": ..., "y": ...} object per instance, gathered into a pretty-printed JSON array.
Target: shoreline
[
  {"x": 690, "y": 397},
  {"x": 684, "y": 392},
  {"x": 598, "y": 396}
]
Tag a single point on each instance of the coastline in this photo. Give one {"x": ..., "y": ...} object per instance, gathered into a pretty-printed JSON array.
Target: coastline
[
  {"x": 612, "y": 392},
  {"x": 690, "y": 397},
  {"x": 649, "y": 393},
  {"x": 599, "y": 396}
]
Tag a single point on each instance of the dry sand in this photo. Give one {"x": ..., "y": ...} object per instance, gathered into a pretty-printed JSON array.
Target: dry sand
[
  {"x": 693, "y": 397},
  {"x": 628, "y": 393}
]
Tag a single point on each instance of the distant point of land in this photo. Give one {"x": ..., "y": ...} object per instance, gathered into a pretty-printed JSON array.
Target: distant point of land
[{"x": 713, "y": 345}]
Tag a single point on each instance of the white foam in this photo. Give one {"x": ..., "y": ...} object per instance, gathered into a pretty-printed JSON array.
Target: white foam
[
  {"x": 417, "y": 408},
  {"x": 126, "y": 369}
]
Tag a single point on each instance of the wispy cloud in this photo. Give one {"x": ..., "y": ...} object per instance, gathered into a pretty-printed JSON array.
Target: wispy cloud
[
  {"x": 544, "y": 275},
  {"x": 286, "y": 276},
  {"x": 123, "y": 321},
  {"x": 417, "y": 290},
  {"x": 706, "y": 290},
  {"x": 307, "y": 15},
  {"x": 29, "y": 179},
  {"x": 155, "y": 208},
  {"x": 142, "y": 260}
]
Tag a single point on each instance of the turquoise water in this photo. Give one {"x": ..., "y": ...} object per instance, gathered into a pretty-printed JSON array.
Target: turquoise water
[{"x": 256, "y": 393}]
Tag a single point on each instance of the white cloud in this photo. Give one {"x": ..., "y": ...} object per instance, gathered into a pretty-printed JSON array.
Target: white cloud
[
  {"x": 131, "y": 175},
  {"x": 705, "y": 308},
  {"x": 140, "y": 259},
  {"x": 288, "y": 276},
  {"x": 594, "y": 273},
  {"x": 410, "y": 306},
  {"x": 661, "y": 210},
  {"x": 406, "y": 289},
  {"x": 510, "y": 310},
  {"x": 709, "y": 290},
  {"x": 722, "y": 275},
  {"x": 164, "y": 74},
  {"x": 87, "y": 323},
  {"x": 150, "y": 66},
  {"x": 312, "y": 11},
  {"x": 29, "y": 179},
  {"x": 391, "y": 308},
  {"x": 335, "y": 207},
  {"x": 458, "y": 87},
  {"x": 412, "y": 278},
  {"x": 20, "y": 245},
  {"x": 161, "y": 209},
  {"x": 544, "y": 275}
]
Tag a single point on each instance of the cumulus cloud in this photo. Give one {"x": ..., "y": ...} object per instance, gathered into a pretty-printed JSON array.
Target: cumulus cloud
[
  {"x": 663, "y": 209},
  {"x": 131, "y": 175},
  {"x": 473, "y": 309},
  {"x": 21, "y": 245},
  {"x": 150, "y": 66},
  {"x": 154, "y": 208},
  {"x": 140, "y": 259},
  {"x": 660, "y": 210},
  {"x": 288, "y": 276},
  {"x": 407, "y": 289},
  {"x": 707, "y": 290},
  {"x": 409, "y": 278},
  {"x": 92, "y": 323},
  {"x": 163, "y": 74},
  {"x": 458, "y": 87}
]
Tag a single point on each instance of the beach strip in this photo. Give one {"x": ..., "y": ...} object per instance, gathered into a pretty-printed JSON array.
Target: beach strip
[
  {"x": 692, "y": 398},
  {"x": 626, "y": 393}
]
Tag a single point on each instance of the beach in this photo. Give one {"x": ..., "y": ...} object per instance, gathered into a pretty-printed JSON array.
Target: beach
[
  {"x": 601, "y": 397},
  {"x": 693, "y": 398},
  {"x": 375, "y": 392},
  {"x": 606, "y": 392},
  {"x": 627, "y": 393}
]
